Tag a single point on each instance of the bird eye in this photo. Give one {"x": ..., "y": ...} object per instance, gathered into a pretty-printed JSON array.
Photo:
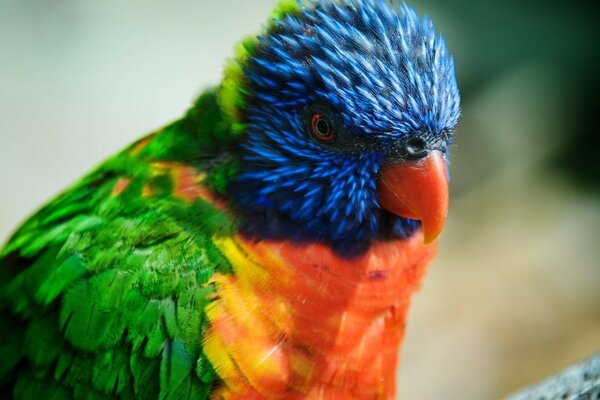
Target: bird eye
[{"x": 322, "y": 128}]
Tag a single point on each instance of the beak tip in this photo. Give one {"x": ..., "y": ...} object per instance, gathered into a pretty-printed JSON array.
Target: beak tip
[
  {"x": 430, "y": 236},
  {"x": 427, "y": 241}
]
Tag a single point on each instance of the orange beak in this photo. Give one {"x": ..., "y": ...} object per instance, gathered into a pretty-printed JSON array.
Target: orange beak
[{"x": 417, "y": 191}]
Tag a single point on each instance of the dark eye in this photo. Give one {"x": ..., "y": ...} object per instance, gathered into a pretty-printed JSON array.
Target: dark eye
[{"x": 322, "y": 128}]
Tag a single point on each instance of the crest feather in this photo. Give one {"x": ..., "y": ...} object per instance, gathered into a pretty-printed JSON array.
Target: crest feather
[{"x": 232, "y": 92}]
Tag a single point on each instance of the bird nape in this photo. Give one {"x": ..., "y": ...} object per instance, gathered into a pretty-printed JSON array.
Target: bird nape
[{"x": 264, "y": 246}]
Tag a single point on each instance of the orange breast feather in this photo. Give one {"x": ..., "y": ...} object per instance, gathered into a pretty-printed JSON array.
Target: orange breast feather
[{"x": 300, "y": 322}]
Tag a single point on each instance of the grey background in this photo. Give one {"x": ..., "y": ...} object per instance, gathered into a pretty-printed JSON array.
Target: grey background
[{"x": 513, "y": 295}]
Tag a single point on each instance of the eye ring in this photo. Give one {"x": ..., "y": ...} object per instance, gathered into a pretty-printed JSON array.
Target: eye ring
[{"x": 322, "y": 128}]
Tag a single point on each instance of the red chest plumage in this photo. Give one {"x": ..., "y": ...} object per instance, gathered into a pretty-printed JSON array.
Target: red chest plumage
[{"x": 300, "y": 322}]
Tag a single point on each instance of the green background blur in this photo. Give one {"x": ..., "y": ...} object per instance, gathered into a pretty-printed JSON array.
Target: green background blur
[{"x": 514, "y": 294}]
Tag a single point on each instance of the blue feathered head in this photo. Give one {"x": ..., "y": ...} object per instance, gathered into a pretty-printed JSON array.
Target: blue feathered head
[{"x": 336, "y": 91}]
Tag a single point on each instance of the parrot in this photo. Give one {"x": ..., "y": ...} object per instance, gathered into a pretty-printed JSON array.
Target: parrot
[{"x": 266, "y": 244}]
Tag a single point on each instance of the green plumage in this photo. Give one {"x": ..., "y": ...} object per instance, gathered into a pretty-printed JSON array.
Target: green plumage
[{"x": 102, "y": 293}]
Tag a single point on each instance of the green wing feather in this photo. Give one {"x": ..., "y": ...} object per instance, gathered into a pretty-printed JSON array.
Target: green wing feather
[{"x": 102, "y": 294}]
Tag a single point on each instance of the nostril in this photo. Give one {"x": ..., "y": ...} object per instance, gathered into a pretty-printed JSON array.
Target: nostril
[{"x": 416, "y": 147}]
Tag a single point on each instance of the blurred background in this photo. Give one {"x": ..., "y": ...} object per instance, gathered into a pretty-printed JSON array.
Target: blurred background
[{"x": 514, "y": 294}]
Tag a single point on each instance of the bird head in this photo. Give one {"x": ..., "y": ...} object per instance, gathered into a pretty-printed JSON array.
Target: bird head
[{"x": 346, "y": 110}]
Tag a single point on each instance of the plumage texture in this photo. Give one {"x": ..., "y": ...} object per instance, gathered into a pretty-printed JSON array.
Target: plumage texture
[
  {"x": 386, "y": 74},
  {"x": 285, "y": 325},
  {"x": 201, "y": 258},
  {"x": 106, "y": 286}
]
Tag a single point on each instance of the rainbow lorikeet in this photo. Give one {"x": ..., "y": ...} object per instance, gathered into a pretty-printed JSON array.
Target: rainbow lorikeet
[{"x": 265, "y": 245}]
